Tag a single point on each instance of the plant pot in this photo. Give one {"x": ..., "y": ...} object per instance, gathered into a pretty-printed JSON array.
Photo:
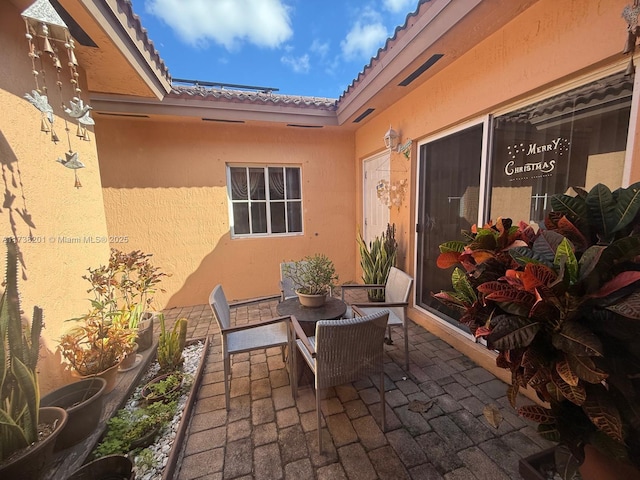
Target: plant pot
[
  {"x": 131, "y": 360},
  {"x": 145, "y": 332},
  {"x": 31, "y": 464},
  {"x": 597, "y": 466},
  {"x": 110, "y": 375},
  {"x": 535, "y": 467},
  {"x": 146, "y": 439},
  {"x": 311, "y": 301},
  {"x": 150, "y": 396},
  {"x": 111, "y": 467},
  {"x": 83, "y": 402}
]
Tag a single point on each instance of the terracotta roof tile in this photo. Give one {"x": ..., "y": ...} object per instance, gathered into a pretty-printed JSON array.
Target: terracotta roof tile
[
  {"x": 134, "y": 21},
  {"x": 241, "y": 96},
  {"x": 382, "y": 51}
]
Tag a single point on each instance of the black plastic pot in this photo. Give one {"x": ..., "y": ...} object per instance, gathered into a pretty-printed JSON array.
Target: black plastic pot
[
  {"x": 531, "y": 467},
  {"x": 83, "y": 402},
  {"x": 145, "y": 332},
  {"x": 111, "y": 467},
  {"x": 33, "y": 463}
]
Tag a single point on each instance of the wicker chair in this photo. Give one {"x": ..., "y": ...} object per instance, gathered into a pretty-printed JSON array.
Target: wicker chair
[
  {"x": 287, "y": 288},
  {"x": 251, "y": 336},
  {"x": 396, "y": 300},
  {"x": 343, "y": 351}
]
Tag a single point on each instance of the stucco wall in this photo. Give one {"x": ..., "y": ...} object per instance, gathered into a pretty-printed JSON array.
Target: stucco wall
[
  {"x": 550, "y": 43},
  {"x": 165, "y": 189},
  {"x": 40, "y": 198}
]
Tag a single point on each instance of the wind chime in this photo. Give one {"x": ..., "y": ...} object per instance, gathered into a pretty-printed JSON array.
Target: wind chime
[
  {"x": 46, "y": 32},
  {"x": 631, "y": 14}
]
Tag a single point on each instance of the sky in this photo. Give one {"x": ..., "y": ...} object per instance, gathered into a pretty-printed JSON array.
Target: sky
[{"x": 301, "y": 47}]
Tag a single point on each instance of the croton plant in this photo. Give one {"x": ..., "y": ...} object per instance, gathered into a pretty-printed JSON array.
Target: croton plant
[{"x": 560, "y": 303}]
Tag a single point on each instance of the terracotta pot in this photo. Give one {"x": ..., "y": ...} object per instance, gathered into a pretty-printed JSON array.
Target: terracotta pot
[
  {"x": 110, "y": 375},
  {"x": 83, "y": 402},
  {"x": 130, "y": 360},
  {"x": 311, "y": 301},
  {"x": 32, "y": 464},
  {"x": 111, "y": 467},
  {"x": 598, "y": 466}
]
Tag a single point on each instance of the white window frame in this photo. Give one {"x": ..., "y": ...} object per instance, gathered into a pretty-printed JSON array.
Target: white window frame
[{"x": 267, "y": 201}]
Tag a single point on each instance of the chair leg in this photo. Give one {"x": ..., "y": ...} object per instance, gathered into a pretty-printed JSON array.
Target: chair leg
[
  {"x": 293, "y": 372},
  {"x": 406, "y": 345},
  {"x": 319, "y": 419},
  {"x": 382, "y": 403},
  {"x": 227, "y": 386},
  {"x": 387, "y": 339}
]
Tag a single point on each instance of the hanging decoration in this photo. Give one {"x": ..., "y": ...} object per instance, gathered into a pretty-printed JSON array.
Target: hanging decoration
[
  {"x": 631, "y": 14},
  {"x": 392, "y": 194},
  {"x": 46, "y": 32}
]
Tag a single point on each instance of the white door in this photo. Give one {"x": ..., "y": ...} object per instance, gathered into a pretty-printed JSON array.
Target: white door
[{"x": 376, "y": 214}]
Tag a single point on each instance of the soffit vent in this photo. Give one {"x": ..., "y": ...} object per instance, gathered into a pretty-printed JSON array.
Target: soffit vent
[
  {"x": 220, "y": 120},
  {"x": 421, "y": 69},
  {"x": 303, "y": 126},
  {"x": 131, "y": 115},
  {"x": 76, "y": 30},
  {"x": 363, "y": 115}
]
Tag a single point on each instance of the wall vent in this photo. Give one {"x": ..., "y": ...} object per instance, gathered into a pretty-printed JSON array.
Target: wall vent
[
  {"x": 363, "y": 115},
  {"x": 421, "y": 69},
  {"x": 133, "y": 115},
  {"x": 220, "y": 120}
]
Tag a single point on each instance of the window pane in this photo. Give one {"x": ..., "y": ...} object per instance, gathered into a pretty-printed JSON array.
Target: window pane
[
  {"x": 240, "y": 218},
  {"x": 293, "y": 184},
  {"x": 570, "y": 140},
  {"x": 294, "y": 216},
  {"x": 256, "y": 179},
  {"x": 259, "y": 217},
  {"x": 276, "y": 184},
  {"x": 238, "y": 183},
  {"x": 277, "y": 217}
]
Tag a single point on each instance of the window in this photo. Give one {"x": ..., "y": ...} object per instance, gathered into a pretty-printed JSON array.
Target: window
[{"x": 264, "y": 200}]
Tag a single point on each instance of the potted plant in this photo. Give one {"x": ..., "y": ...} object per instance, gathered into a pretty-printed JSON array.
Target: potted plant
[
  {"x": 163, "y": 388},
  {"x": 377, "y": 259},
  {"x": 113, "y": 467},
  {"x": 560, "y": 306},
  {"x": 171, "y": 345},
  {"x": 27, "y": 431},
  {"x": 314, "y": 277}
]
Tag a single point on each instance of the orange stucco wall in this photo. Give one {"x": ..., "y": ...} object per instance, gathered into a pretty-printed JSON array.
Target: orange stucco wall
[
  {"x": 165, "y": 189},
  {"x": 40, "y": 198},
  {"x": 550, "y": 43}
]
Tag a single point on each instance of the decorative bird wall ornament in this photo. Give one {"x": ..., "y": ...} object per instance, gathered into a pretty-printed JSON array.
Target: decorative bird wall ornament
[
  {"x": 80, "y": 110},
  {"x": 41, "y": 102},
  {"x": 71, "y": 161}
]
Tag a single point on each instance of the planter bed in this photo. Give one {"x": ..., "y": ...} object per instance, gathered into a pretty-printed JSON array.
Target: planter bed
[
  {"x": 539, "y": 466},
  {"x": 128, "y": 383}
]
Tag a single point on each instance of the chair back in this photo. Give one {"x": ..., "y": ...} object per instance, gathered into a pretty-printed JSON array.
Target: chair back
[
  {"x": 287, "y": 288},
  {"x": 397, "y": 289},
  {"x": 220, "y": 307},
  {"x": 349, "y": 349}
]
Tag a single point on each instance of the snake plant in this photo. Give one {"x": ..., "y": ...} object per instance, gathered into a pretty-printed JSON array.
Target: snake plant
[
  {"x": 171, "y": 344},
  {"x": 19, "y": 394},
  {"x": 377, "y": 259}
]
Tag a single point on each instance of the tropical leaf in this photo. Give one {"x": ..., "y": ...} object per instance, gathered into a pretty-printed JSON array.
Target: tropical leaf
[
  {"x": 627, "y": 206},
  {"x": 566, "y": 373},
  {"x": 589, "y": 260},
  {"x": 585, "y": 368},
  {"x": 452, "y": 246},
  {"x": 547, "y": 244},
  {"x": 566, "y": 228},
  {"x": 525, "y": 256},
  {"x": 618, "y": 282},
  {"x": 461, "y": 285},
  {"x": 549, "y": 431},
  {"x": 537, "y": 414},
  {"x": 509, "y": 332},
  {"x": 575, "y": 208},
  {"x": 566, "y": 256},
  {"x": 577, "y": 339},
  {"x": 512, "y": 394},
  {"x": 566, "y": 462},
  {"x": 507, "y": 293},
  {"x": 447, "y": 259},
  {"x": 624, "y": 249},
  {"x": 535, "y": 275},
  {"x": 629, "y": 307},
  {"x": 493, "y": 415},
  {"x": 575, "y": 394},
  {"x": 603, "y": 413},
  {"x": 602, "y": 212}
]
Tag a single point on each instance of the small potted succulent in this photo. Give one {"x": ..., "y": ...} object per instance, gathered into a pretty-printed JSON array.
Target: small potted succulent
[
  {"x": 561, "y": 307},
  {"x": 313, "y": 277}
]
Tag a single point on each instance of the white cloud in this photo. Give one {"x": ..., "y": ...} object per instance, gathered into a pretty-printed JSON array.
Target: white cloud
[
  {"x": 400, "y": 6},
  {"x": 363, "y": 40},
  {"x": 319, "y": 48},
  {"x": 298, "y": 65},
  {"x": 265, "y": 23}
]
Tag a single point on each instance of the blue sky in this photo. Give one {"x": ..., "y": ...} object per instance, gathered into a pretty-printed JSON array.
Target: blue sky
[{"x": 302, "y": 47}]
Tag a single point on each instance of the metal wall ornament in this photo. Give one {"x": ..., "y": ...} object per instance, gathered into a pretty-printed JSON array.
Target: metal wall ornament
[
  {"x": 46, "y": 34},
  {"x": 631, "y": 13}
]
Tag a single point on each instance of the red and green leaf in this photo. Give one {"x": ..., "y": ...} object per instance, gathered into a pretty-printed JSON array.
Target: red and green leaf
[
  {"x": 578, "y": 340},
  {"x": 585, "y": 368},
  {"x": 537, "y": 414},
  {"x": 509, "y": 332}
]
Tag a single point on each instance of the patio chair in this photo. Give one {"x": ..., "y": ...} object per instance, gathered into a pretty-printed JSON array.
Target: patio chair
[
  {"x": 287, "y": 288},
  {"x": 343, "y": 351},
  {"x": 251, "y": 336},
  {"x": 396, "y": 300}
]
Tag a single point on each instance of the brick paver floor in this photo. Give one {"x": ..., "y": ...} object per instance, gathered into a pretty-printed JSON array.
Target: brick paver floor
[{"x": 269, "y": 435}]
